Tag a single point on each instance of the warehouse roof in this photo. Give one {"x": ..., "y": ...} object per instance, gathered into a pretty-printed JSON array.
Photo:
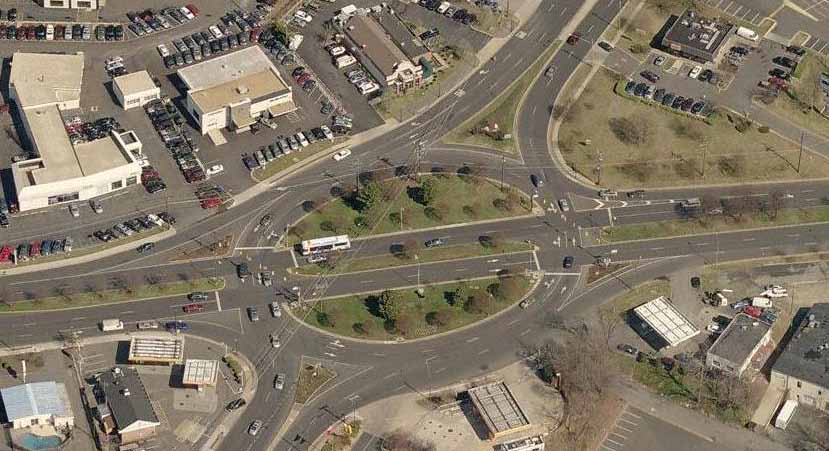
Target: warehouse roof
[
  {"x": 46, "y": 78},
  {"x": 740, "y": 338},
  {"x": 200, "y": 372},
  {"x": 806, "y": 356},
  {"x": 37, "y": 398},
  {"x": 373, "y": 41},
  {"x": 253, "y": 86},
  {"x": 127, "y": 399},
  {"x": 498, "y": 408},
  {"x": 135, "y": 82},
  {"x": 228, "y": 67},
  {"x": 666, "y": 320}
]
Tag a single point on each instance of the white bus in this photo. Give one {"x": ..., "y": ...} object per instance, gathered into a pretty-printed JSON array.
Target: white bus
[
  {"x": 786, "y": 413},
  {"x": 327, "y": 244}
]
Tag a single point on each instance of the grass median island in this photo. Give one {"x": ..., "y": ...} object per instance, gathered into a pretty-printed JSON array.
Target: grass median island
[
  {"x": 635, "y": 143},
  {"x": 664, "y": 229},
  {"x": 407, "y": 257},
  {"x": 311, "y": 379},
  {"x": 264, "y": 172},
  {"x": 391, "y": 204},
  {"x": 802, "y": 101},
  {"x": 394, "y": 314},
  {"x": 66, "y": 299},
  {"x": 500, "y": 113}
]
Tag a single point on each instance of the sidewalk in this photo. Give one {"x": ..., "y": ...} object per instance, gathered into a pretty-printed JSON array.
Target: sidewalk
[
  {"x": 709, "y": 429},
  {"x": 229, "y": 421}
]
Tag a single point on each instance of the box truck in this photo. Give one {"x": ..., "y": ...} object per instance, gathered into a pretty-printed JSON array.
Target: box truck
[
  {"x": 786, "y": 413},
  {"x": 109, "y": 325}
]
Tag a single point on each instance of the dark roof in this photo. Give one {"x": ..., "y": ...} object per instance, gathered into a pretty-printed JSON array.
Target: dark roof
[
  {"x": 691, "y": 30},
  {"x": 400, "y": 35},
  {"x": 739, "y": 339},
  {"x": 806, "y": 356},
  {"x": 126, "y": 396},
  {"x": 373, "y": 41}
]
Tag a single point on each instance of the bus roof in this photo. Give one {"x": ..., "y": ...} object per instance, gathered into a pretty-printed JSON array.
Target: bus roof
[{"x": 325, "y": 240}]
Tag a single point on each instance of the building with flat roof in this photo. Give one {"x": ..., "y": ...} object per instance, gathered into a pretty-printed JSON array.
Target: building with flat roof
[
  {"x": 499, "y": 409},
  {"x": 38, "y": 403},
  {"x": 156, "y": 350},
  {"x": 381, "y": 56},
  {"x": 735, "y": 347},
  {"x": 199, "y": 373},
  {"x": 135, "y": 89},
  {"x": 532, "y": 443},
  {"x": 233, "y": 90},
  {"x": 402, "y": 37},
  {"x": 802, "y": 369},
  {"x": 124, "y": 404},
  {"x": 42, "y": 86},
  {"x": 669, "y": 324},
  {"x": 695, "y": 37},
  {"x": 72, "y": 4}
]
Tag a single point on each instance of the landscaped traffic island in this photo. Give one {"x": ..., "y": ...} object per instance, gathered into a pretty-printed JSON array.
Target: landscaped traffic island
[
  {"x": 389, "y": 202},
  {"x": 395, "y": 314}
]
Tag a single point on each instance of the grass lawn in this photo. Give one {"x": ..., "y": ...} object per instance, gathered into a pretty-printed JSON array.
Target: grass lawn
[
  {"x": 97, "y": 298},
  {"x": 461, "y": 199},
  {"x": 424, "y": 255},
  {"x": 795, "y": 104},
  {"x": 443, "y": 307},
  {"x": 662, "y": 229},
  {"x": 643, "y": 145},
  {"x": 502, "y": 110},
  {"x": 308, "y": 383},
  {"x": 263, "y": 172},
  {"x": 639, "y": 295}
]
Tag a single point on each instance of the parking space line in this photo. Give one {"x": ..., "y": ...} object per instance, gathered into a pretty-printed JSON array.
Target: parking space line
[
  {"x": 754, "y": 18},
  {"x": 736, "y": 11},
  {"x": 628, "y": 412}
]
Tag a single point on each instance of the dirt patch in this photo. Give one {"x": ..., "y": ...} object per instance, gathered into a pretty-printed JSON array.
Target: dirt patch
[{"x": 208, "y": 250}]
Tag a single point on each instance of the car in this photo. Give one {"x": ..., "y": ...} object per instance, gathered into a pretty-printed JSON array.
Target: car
[
  {"x": 695, "y": 282},
  {"x": 300, "y": 137},
  {"x": 276, "y": 312},
  {"x": 193, "y": 308},
  {"x": 73, "y": 209},
  {"x": 215, "y": 169},
  {"x": 695, "y": 71},
  {"x": 149, "y": 324},
  {"x": 299, "y": 70},
  {"x": 146, "y": 247},
  {"x": 659, "y": 60},
  {"x": 163, "y": 50},
  {"x": 640, "y": 90},
  {"x": 235, "y": 404},
  {"x": 435, "y": 242},
  {"x": 705, "y": 75},
  {"x": 574, "y": 38},
  {"x": 697, "y": 107},
  {"x": 177, "y": 326},
  {"x": 687, "y": 104},
  {"x": 677, "y": 102},
  {"x": 630, "y": 87},
  {"x": 266, "y": 279},
  {"x": 279, "y": 381},
  {"x": 253, "y": 314},
  {"x": 785, "y": 62},
  {"x": 4, "y": 221},
  {"x": 799, "y": 51},
  {"x": 254, "y": 427},
  {"x": 659, "y": 95},
  {"x": 327, "y": 108},
  {"x": 627, "y": 349},
  {"x": 275, "y": 341},
  {"x": 242, "y": 271},
  {"x": 526, "y": 302},
  {"x": 536, "y": 181},
  {"x": 96, "y": 206},
  {"x": 564, "y": 205},
  {"x": 197, "y": 296},
  {"x": 192, "y": 8},
  {"x": 342, "y": 154},
  {"x": 668, "y": 99},
  {"x": 568, "y": 262},
  {"x": 606, "y": 46},
  {"x": 650, "y": 76}
]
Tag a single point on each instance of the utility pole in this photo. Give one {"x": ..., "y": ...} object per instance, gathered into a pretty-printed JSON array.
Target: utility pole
[
  {"x": 599, "y": 159},
  {"x": 800, "y": 155},
  {"x": 357, "y": 163},
  {"x": 704, "y": 154},
  {"x": 503, "y": 162}
]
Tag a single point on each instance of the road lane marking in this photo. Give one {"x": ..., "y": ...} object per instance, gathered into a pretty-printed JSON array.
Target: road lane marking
[
  {"x": 628, "y": 412},
  {"x": 389, "y": 376},
  {"x": 78, "y": 318},
  {"x": 657, "y": 248},
  {"x": 30, "y": 324},
  {"x": 473, "y": 339},
  {"x": 439, "y": 370},
  {"x": 126, "y": 312},
  {"x": 431, "y": 358},
  {"x": 524, "y": 333},
  {"x": 513, "y": 322},
  {"x": 810, "y": 243},
  {"x": 749, "y": 239},
  {"x": 701, "y": 244},
  {"x": 483, "y": 351},
  {"x": 460, "y": 269},
  {"x": 613, "y": 441},
  {"x": 427, "y": 350},
  {"x": 366, "y": 281}
]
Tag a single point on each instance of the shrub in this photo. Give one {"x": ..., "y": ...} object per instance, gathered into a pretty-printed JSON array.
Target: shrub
[
  {"x": 478, "y": 302},
  {"x": 763, "y": 129},
  {"x": 501, "y": 204},
  {"x": 404, "y": 325},
  {"x": 364, "y": 328},
  {"x": 686, "y": 168},
  {"x": 731, "y": 166},
  {"x": 440, "y": 318},
  {"x": 328, "y": 226},
  {"x": 631, "y": 131}
]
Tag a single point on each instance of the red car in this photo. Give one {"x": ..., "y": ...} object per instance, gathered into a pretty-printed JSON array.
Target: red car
[
  {"x": 193, "y": 308},
  {"x": 34, "y": 250},
  {"x": 30, "y": 33},
  {"x": 254, "y": 34},
  {"x": 210, "y": 203},
  {"x": 193, "y": 9}
]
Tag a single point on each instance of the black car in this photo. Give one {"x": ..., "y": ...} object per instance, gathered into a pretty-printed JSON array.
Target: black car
[
  {"x": 298, "y": 71},
  {"x": 40, "y": 32},
  {"x": 167, "y": 217},
  {"x": 146, "y": 247},
  {"x": 568, "y": 262},
  {"x": 327, "y": 108},
  {"x": 785, "y": 62},
  {"x": 110, "y": 32},
  {"x": 650, "y": 76},
  {"x": 169, "y": 61},
  {"x": 630, "y": 87},
  {"x": 668, "y": 99},
  {"x": 799, "y": 51},
  {"x": 687, "y": 104},
  {"x": 242, "y": 271},
  {"x": 309, "y": 85},
  {"x": 119, "y": 32},
  {"x": 697, "y": 107},
  {"x": 659, "y": 95},
  {"x": 705, "y": 75},
  {"x": 235, "y": 404},
  {"x": 4, "y": 221},
  {"x": 695, "y": 282},
  {"x": 641, "y": 89},
  {"x": 677, "y": 102},
  {"x": 779, "y": 73},
  {"x": 11, "y": 32},
  {"x": 628, "y": 349}
]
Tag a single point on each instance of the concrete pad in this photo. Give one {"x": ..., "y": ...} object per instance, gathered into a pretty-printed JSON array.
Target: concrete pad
[{"x": 191, "y": 400}]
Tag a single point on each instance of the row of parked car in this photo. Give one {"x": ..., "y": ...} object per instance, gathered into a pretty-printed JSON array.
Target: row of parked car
[
  {"x": 211, "y": 196},
  {"x": 80, "y": 131},
  {"x": 151, "y": 21},
  {"x": 461, "y": 15},
  {"x": 151, "y": 180},
  {"x": 234, "y": 30},
  {"x": 10, "y": 254},
  {"x": 667, "y": 99},
  {"x": 277, "y": 49},
  {"x": 61, "y": 32},
  {"x": 285, "y": 146},
  {"x": 167, "y": 121},
  {"x": 133, "y": 226},
  {"x": 358, "y": 77}
]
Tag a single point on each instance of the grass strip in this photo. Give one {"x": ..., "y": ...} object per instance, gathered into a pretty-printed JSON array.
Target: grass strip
[{"x": 311, "y": 379}]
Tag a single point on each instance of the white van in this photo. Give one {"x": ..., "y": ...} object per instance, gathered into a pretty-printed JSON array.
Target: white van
[
  {"x": 368, "y": 88},
  {"x": 345, "y": 61},
  {"x": 761, "y": 301},
  {"x": 50, "y": 32},
  {"x": 109, "y": 325},
  {"x": 443, "y": 7}
]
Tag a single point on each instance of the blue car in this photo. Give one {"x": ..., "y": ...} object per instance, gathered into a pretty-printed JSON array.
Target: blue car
[{"x": 177, "y": 326}]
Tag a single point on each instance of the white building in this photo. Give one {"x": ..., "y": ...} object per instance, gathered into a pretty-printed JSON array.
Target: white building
[
  {"x": 233, "y": 90},
  {"x": 737, "y": 345},
  {"x": 38, "y": 403},
  {"x": 135, "y": 89},
  {"x": 74, "y": 4},
  {"x": 42, "y": 86}
]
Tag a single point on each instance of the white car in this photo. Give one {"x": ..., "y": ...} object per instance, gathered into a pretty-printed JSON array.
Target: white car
[
  {"x": 275, "y": 310},
  {"x": 695, "y": 72},
  {"x": 342, "y": 154},
  {"x": 337, "y": 51},
  {"x": 215, "y": 169},
  {"x": 564, "y": 205},
  {"x": 275, "y": 341},
  {"x": 254, "y": 427},
  {"x": 114, "y": 59},
  {"x": 186, "y": 12},
  {"x": 302, "y": 15},
  {"x": 328, "y": 133},
  {"x": 215, "y": 31},
  {"x": 302, "y": 140},
  {"x": 74, "y": 210},
  {"x": 163, "y": 50}
]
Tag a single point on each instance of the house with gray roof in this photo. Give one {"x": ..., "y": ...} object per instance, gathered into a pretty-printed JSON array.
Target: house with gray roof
[
  {"x": 734, "y": 349},
  {"x": 38, "y": 403},
  {"x": 803, "y": 367},
  {"x": 124, "y": 403}
]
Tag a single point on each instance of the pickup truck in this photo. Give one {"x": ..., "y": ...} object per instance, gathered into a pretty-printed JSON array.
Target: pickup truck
[
  {"x": 109, "y": 325},
  {"x": 143, "y": 325}
]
